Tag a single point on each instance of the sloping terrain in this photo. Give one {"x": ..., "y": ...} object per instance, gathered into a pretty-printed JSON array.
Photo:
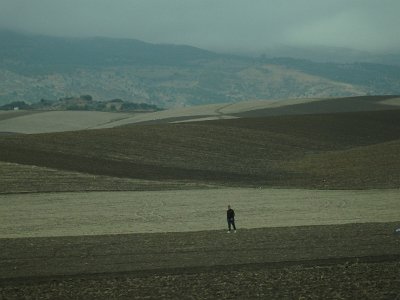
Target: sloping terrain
[
  {"x": 41, "y": 67},
  {"x": 71, "y": 257},
  {"x": 54, "y": 121},
  {"x": 264, "y": 108},
  {"x": 354, "y": 261},
  {"x": 80, "y": 213},
  {"x": 329, "y": 105},
  {"x": 16, "y": 178},
  {"x": 5, "y": 115},
  {"x": 379, "y": 162},
  {"x": 273, "y": 151},
  {"x": 57, "y": 121}
]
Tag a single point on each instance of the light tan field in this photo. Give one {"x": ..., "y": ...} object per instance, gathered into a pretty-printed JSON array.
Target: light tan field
[
  {"x": 208, "y": 112},
  {"x": 392, "y": 101},
  {"x": 95, "y": 213},
  {"x": 54, "y": 121},
  {"x": 58, "y": 121}
]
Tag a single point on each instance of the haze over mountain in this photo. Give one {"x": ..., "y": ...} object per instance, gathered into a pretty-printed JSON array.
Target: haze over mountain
[
  {"x": 35, "y": 67},
  {"x": 135, "y": 50},
  {"x": 224, "y": 25}
]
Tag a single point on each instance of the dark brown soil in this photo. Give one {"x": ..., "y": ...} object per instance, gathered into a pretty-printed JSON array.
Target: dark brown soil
[
  {"x": 355, "y": 261},
  {"x": 16, "y": 178},
  {"x": 327, "y": 106},
  {"x": 341, "y": 281},
  {"x": 310, "y": 151}
]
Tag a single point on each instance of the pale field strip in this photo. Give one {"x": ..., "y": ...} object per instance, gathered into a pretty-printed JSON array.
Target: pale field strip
[
  {"x": 392, "y": 101},
  {"x": 225, "y": 111},
  {"x": 189, "y": 112},
  {"x": 55, "y": 121},
  {"x": 262, "y": 104},
  {"x": 58, "y": 121},
  {"x": 96, "y": 213},
  {"x": 210, "y": 111},
  {"x": 223, "y": 117}
]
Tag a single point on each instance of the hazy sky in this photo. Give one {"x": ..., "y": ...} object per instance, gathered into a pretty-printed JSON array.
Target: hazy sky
[{"x": 216, "y": 24}]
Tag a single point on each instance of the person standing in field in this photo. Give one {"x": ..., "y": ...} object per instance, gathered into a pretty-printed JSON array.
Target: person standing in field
[{"x": 230, "y": 216}]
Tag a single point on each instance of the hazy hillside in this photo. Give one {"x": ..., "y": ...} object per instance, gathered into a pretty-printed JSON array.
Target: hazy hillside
[
  {"x": 40, "y": 67},
  {"x": 331, "y": 54},
  {"x": 378, "y": 77},
  {"x": 343, "y": 150},
  {"x": 36, "y": 53}
]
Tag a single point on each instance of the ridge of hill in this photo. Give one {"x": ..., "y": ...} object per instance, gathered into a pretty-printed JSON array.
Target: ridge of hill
[
  {"x": 32, "y": 52},
  {"x": 308, "y": 151},
  {"x": 41, "y": 67},
  {"x": 34, "y": 121}
]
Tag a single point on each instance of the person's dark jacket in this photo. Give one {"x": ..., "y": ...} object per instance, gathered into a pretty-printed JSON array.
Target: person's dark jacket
[{"x": 230, "y": 214}]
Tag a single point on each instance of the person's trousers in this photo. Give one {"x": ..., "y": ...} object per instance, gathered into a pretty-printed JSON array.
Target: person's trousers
[{"x": 231, "y": 222}]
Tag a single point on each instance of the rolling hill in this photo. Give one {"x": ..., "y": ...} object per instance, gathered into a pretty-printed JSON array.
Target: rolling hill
[
  {"x": 278, "y": 162},
  {"x": 352, "y": 150},
  {"x": 35, "y": 121},
  {"x": 292, "y": 242}
]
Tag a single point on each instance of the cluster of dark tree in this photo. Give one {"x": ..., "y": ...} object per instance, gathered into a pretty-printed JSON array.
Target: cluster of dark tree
[
  {"x": 128, "y": 106},
  {"x": 84, "y": 102},
  {"x": 16, "y": 105}
]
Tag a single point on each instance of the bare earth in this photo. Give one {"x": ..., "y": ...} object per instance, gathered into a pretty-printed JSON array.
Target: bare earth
[
  {"x": 96, "y": 213},
  {"x": 149, "y": 222},
  {"x": 56, "y": 121},
  {"x": 164, "y": 245},
  {"x": 353, "y": 261}
]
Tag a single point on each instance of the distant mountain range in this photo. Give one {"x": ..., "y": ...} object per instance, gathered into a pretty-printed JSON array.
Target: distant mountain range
[{"x": 34, "y": 67}]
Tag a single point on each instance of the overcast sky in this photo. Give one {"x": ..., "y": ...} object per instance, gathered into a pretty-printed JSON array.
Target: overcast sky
[{"x": 253, "y": 25}]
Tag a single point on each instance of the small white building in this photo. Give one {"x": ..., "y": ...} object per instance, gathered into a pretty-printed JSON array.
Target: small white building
[{"x": 16, "y": 108}]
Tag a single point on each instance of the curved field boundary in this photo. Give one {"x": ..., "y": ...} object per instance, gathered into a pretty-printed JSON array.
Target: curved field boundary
[{"x": 95, "y": 213}]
